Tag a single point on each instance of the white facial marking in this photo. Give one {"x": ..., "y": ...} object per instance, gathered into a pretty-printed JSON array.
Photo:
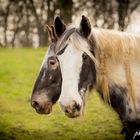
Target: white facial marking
[
  {"x": 44, "y": 74},
  {"x": 70, "y": 64}
]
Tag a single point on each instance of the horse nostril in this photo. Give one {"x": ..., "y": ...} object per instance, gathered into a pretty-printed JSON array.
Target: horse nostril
[
  {"x": 34, "y": 104},
  {"x": 76, "y": 107},
  {"x": 68, "y": 110}
]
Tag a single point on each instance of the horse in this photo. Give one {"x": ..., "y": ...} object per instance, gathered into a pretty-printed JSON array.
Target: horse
[
  {"x": 47, "y": 87},
  {"x": 105, "y": 60}
]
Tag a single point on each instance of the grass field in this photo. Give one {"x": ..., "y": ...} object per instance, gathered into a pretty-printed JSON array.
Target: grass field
[{"x": 18, "y": 120}]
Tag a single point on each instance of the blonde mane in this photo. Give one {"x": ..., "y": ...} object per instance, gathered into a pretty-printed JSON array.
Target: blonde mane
[{"x": 118, "y": 47}]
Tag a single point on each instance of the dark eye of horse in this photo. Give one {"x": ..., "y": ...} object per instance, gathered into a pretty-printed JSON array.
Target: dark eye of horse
[
  {"x": 85, "y": 56},
  {"x": 52, "y": 62}
]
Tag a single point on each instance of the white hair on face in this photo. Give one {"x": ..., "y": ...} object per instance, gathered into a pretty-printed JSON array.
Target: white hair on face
[{"x": 70, "y": 64}]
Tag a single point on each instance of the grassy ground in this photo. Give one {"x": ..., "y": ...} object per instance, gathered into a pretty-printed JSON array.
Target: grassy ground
[{"x": 18, "y": 71}]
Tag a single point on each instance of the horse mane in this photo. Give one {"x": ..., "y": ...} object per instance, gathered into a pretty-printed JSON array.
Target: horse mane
[{"x": 117, "y": 47}]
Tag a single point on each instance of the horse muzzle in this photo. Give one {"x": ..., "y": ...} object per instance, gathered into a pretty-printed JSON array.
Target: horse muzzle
[
  {"x": 72, "y": 111},
  {"x": 42, "y": 108},
  {"x": 41, "y": 104}
]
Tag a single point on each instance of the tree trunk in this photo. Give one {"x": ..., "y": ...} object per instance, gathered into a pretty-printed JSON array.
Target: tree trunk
[
  {"x": 42, "y": 34},
  {"x": 5, "y": 22},
  {"x": 123, "y": 6},
  {"x": 65, "y": 7}
]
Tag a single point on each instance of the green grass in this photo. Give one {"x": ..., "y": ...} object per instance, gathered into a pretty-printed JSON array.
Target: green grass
[{"x": 18, "y": 120}]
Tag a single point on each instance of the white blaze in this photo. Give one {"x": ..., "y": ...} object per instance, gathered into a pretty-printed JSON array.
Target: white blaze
[{"x": 70, "y": 64}]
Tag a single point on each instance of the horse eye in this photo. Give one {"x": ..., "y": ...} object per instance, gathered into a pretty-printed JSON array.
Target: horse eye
[
  {"x": 85, "y": 56},
  {"x": 52, "y": 62}
]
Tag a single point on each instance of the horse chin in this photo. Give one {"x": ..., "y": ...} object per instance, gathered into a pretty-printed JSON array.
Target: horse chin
[
  {"x": 72, "y": 116},
  {"x": 75, "y": 115}
]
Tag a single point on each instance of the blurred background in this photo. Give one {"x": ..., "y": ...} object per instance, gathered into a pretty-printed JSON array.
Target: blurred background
[
  {"x": 22, "y": 21},
  {"x": 23, "y": 44}
]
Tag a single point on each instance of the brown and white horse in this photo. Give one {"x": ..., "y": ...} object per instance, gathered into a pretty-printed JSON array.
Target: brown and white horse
[{"x": 107, "y": 60}]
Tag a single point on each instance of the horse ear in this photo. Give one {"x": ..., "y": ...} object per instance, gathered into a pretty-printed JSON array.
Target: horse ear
[
  {"x": 54, "y": 33},
  {"x": 85, "y": 27},
  {"x": 50, "y": 33},
  {"x": 59, "y": 26}
]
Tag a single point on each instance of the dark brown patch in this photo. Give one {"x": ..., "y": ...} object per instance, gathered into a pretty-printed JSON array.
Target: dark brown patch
[
  {"x": 88, "y": 73},
  {"x": 52, "y": 86},
  {"x": 117, "y": 98},
  {"x": 130, "y": 110}
]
